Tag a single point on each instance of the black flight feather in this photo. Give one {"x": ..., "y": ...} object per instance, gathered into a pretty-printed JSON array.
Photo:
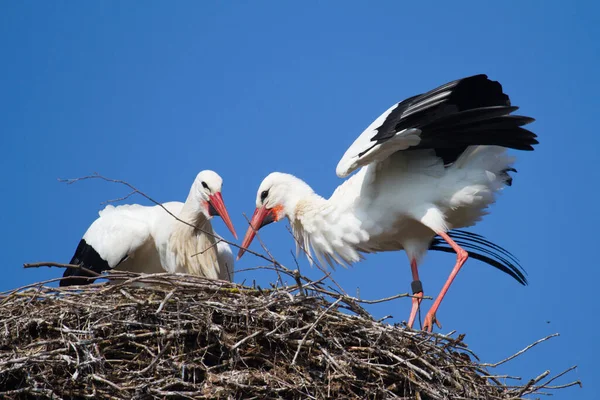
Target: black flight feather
[
  {"x": 87, "y": 257},
  {"x": 466, "y": 112}
]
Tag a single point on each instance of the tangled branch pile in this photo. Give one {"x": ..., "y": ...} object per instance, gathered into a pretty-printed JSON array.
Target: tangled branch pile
[{"x": 188, "y": 337}]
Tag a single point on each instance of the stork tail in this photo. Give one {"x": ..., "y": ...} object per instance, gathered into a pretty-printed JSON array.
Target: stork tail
[{"x": 482, "y": 249}]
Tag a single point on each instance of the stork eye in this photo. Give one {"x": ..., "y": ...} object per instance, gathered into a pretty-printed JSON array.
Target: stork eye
[
  {"x": 204, "y": 185},
  {"x": 264, "y": 195}
]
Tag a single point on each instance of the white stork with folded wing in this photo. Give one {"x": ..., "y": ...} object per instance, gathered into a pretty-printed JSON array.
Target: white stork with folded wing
[{"x": 146, "y": 239}]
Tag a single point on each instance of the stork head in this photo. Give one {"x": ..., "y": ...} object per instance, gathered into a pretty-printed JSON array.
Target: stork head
[
  {"x": 207, "y": 188},
  {"x": 277, "y": 197}
]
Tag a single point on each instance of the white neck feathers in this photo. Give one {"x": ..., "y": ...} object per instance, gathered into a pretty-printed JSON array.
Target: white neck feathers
[
  {"x": 195, "y": 252},
  {"x": 328, "y": 227}
]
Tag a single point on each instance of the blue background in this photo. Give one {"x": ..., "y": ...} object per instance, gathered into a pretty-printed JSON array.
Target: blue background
[{"x": 154, "y": 92}]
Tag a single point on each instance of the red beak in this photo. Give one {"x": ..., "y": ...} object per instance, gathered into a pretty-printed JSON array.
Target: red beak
[
  {"x": 216, "y": 201},
  {"x": 261, "y": 217}
]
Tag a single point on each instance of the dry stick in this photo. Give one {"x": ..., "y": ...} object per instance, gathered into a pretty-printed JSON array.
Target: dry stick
[
  {"x": 532, "y": 382},
  {"x": 155, "y": 360},
  {"x": 313, "y": 327},
  {"x": 60, "y": 265},
  {"x": 566, "y": 385},
  {"x": 297, "y": 274},
  {"x": 290, "y": 288},
  {"x": 264, "y": 247},
  {"x": 208, "y": 248},
  {"x": 520, "y": 352},
  {"x": 120, "y": 198},
  {"x": 545, "y": 385},
  {"x": 162, "y": 303},
  {"x": 239, "y": 343},
  {"x": 109, "y": 383},
  {"x": 6, "y": 296},
  {"x": 50, "y": 264},
  {"x": 299, "y": 282}
]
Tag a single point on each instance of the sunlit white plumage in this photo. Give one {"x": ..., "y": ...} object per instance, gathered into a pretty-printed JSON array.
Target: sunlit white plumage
[
  {"x": 147, "y": 239},
  {"x": 429, "y": 164}
]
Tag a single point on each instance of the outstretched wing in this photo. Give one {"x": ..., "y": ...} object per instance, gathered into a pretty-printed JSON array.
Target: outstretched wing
[{"x": 448, "y": 119}]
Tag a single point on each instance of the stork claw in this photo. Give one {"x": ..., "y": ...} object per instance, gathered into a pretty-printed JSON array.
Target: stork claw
[{"x": 430, "y": 319}]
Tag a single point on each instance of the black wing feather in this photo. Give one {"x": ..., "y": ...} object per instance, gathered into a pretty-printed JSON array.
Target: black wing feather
[
  {"x": 85, "y": 256},
  {"x": 466, "y": 112}
]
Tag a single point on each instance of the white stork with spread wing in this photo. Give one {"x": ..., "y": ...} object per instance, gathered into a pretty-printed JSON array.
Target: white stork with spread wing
[{"x": 429, "y": 164}]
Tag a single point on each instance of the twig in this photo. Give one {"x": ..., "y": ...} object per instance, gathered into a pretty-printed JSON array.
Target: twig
[
  {"x": 546, "y": 384},
  {"x": 162, "y": 303},
  {"x": 120, "y": 198},
  {"x": 94, "y": 274},
  {"x": 314, "y": 324},
  {"x": 158, "y": 356},
  {"x": 532, "y": 382},
  {"x": 520, "y": 352},
  {"x": 106, "y": 381},
  {"x": 299, "y": 282},
  {"x": 51, "y": 264},
  {"x": 244, "y": 340},
  {"x": 208, "y": 248}
]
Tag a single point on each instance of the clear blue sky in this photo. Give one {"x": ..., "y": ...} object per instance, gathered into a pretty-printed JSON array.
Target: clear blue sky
[{"x": 154, "y": 92}]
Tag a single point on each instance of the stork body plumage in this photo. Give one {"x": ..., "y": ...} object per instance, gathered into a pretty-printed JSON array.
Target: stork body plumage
[
  {"x": 147, "y": 239},
  {"x": 428, "y": 165}
]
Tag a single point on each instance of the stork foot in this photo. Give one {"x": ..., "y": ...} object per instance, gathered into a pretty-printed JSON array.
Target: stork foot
[{"x": 430, "y": 319}]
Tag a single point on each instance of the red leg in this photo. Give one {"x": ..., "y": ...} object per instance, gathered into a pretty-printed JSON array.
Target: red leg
[
  {"x": 461, "y": 257},
  {"x": 416, "y": 301}
]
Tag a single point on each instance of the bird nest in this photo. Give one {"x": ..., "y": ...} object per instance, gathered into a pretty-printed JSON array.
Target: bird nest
[{"x": 190, "y": 337}]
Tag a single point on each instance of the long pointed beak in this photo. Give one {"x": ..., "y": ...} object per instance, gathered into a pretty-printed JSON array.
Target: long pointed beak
[
  {"x": 261, "y": 217},
  {"x": 216, "y": 200}
]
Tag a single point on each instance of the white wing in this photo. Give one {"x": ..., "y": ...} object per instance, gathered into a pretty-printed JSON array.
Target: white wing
[
  {"x": 366, "y": 148},
  {"x": 226, "y": 261},
  {"x": 119, "y": 232}
]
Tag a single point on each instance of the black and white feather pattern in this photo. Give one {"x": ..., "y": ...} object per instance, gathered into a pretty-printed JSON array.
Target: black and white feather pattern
[{"x": 466, "y": 112}]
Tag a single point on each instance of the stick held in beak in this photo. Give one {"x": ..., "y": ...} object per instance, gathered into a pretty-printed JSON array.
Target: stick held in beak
[
  {"x": 216, "y": 202},
  {"x": 262, "y": 216}
]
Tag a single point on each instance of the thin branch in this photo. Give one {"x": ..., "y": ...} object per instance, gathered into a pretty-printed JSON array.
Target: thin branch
[
  {"x": 244, "y": 340},
  {"x": 532, "y": 382},
  {"x": 208, "y": 248},
  {"x": 51, "y": 264},
  {"x": 94, "y": 274},
  {"x": 120, "y": 198},
  {"x": 520, "y": 352}
]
